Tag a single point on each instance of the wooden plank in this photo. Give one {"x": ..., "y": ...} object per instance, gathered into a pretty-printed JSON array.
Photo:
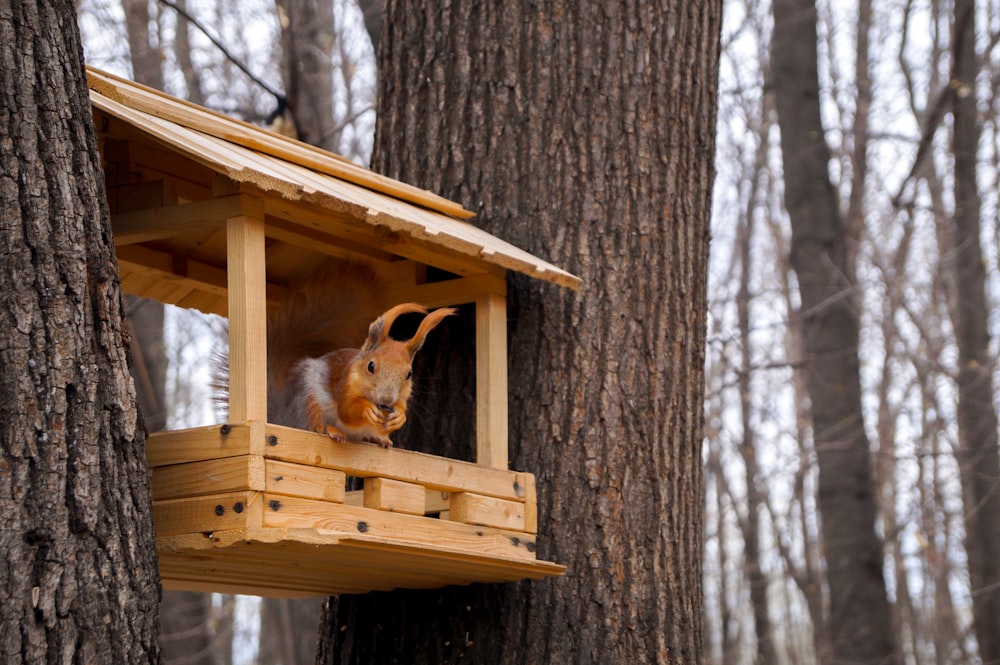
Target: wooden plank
[
  {"x": 215, "y": 512},
  {"x": 308, "y": 482},
  {"x": 450, "y": 292},
  {"x": 436, "y": 501},
  {"x": 394, "y": 495},
  {"x": 247, "y": 320},
  {"x": 162, "y": 266},
  {"x": 303, "y": 232},
  {"x": 297, "y": 562},
  {"x": 291, "y": 512},
  {"x": 470, "y": 508},
  {"x": 366, "y": 460},
  {"x": 199, "y": 443},
  {"x": 527, "y": 481},
  {"x": 217, "y": 476},
  {"x": 142, "y": 195},
  {"x": 491, "y": 381},
  {"x": 153, "y": 223}
]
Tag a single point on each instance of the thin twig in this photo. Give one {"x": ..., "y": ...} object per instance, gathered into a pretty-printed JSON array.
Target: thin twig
[{"x": 280, "y": 96}]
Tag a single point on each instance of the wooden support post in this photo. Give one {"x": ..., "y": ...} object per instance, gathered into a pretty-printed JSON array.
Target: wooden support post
[
  {"x": 491, "y": 380},
  {"x": 247, "y": 319}
]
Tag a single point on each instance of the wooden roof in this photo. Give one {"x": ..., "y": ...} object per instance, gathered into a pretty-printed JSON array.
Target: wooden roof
[{"x": 314, "y": 200}]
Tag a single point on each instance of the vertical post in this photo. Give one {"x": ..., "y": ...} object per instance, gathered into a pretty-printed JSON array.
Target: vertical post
[
  {"x": 247, "y": 283},
  {"x": 491, "y": 378}
]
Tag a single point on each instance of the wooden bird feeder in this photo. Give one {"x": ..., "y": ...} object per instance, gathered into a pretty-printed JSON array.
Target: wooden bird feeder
[{"x": 214, "y": 214}]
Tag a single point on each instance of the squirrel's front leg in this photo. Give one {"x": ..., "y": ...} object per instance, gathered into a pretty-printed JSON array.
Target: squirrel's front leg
[{"x": 314, "y": 412}]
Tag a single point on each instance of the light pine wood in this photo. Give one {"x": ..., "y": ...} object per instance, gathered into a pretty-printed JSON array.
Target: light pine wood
[
  {"x": 199, "y": 443},
  {"x": 196, "y": 117},
  {"x": 394, "y": 496},
  {"x": 247, "y": 320},
  {"x": 290, "y": 563},
  {"x": 491, "y": 380},
  {"x": 244, "y": 472},
  {"x": 470, "y": 508},
  {"x": 201, "y": 514},
  {"x": 527, "y": 481},
  {"x": 416, "y": 229},
  {"x": 167, "y": 221},
  {"x": 309, "y": 482},
  {"x": 292, "y": 512},
  {"x": 450, "y": 292},
  {"x": 366, "y": 460}
]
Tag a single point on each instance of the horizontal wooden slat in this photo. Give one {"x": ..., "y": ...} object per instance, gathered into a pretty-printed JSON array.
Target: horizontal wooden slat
[
  {"x": 470, "y": 508},
  {"x": 292, "y": 512},
  {"x": 394, "y": 496},
  {"x": 216, "y": 512},
  {"x": 449, "y": 292},
  {"x": 199, "y": 443},
  {"x": 228, "y": 474},
  {"x": 307, "y": 482},
  {"x": 142, "y": 225},
  {"x": 365, "y": 460}
]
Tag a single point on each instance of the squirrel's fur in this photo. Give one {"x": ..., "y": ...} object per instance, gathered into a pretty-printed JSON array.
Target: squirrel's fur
[{"x": 318, "y": 378}]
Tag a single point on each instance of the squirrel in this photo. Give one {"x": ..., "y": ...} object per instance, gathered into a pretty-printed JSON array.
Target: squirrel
[{"x": 317, "y": 378}]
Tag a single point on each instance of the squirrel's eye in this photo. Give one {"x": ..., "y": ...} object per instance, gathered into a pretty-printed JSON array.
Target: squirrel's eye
[
  {"x": 409, "y": 374},
  {"x": 371, "y": 366}
]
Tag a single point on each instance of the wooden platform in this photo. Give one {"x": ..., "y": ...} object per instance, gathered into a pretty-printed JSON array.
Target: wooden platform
[{"x": 262, "y": 509}]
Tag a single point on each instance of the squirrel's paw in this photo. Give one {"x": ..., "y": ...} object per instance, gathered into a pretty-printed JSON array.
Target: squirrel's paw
[
  {"x": 383, "y": 441},
  {"x": 395, "y": 420},
  {"x": 332, "y": 432}
]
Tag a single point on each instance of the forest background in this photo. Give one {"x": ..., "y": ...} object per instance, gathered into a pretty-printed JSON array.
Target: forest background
[{"x": 889, "y": 87}]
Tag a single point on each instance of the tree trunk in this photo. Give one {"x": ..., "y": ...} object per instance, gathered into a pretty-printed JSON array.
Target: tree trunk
[
  {"x": 78, "y": 578},
  {"x": 306, "y": 53},
  {"x": 583, "y": 132},
  {"x": 860, "y": 620},
  {"x": 977, "y": 418},
  {"x": 147, "y": 59}
]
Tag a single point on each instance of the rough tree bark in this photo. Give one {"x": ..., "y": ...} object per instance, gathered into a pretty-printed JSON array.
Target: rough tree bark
[
  {"x": 860, "y": 619},
  {"x": 977, "y": 418},
  {"x": 583, "y": 132},
  {"x": 78, "y": 578}
]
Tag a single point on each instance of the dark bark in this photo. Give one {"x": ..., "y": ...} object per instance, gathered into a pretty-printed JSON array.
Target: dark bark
[
  {"x": 860, "y": 619},
  {"x": 583, "y": 132},
  {"x": 977, "y": 418},
  {"x": 78, "y": 578}
]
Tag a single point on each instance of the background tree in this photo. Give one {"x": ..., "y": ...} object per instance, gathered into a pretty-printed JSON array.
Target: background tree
[
  {"x": 977, "y": 416},
  {"x": 78, "y": 579},
  {"x": 572, "y": 131},
  {"x": 823, "y": 254}
]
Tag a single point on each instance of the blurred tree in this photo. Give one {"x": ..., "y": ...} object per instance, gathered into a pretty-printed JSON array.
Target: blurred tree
[
  {"x": 823, "y": 254},
  {"x": 979, "y": 457}
]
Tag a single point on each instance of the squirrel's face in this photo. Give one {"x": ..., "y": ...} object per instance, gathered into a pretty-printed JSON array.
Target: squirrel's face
[{"x": 386, "y": 375}]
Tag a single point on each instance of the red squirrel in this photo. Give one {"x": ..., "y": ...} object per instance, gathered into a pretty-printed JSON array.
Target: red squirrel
[{"x": 346, "y": 393}]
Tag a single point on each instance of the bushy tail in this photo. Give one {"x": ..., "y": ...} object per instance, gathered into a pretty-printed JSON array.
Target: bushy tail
[{"x": 329, "y": 310}]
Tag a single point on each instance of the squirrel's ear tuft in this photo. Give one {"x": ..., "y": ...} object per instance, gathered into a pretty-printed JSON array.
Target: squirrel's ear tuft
[
  {"x": 379, "y": 329},
  {"x": 376, "y": 333},
  {"x": 429, "y": 323}
]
